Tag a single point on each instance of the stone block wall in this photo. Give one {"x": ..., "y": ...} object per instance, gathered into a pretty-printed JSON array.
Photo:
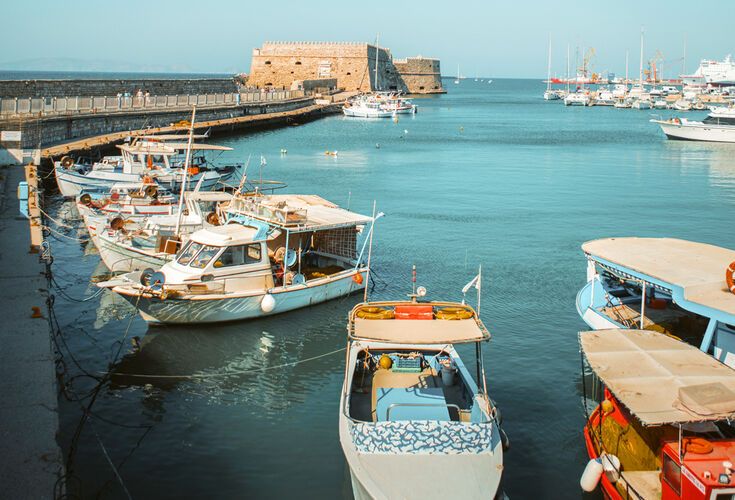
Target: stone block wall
[
  {"x": 71, "y": 88},
  {"x": 279, "y": 64}
]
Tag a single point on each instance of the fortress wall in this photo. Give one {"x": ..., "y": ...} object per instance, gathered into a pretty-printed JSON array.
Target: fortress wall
[{"x": 279, "y": 64}]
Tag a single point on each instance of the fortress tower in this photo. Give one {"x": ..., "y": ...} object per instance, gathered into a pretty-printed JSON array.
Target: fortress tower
[{"x": 279, "y": 64}]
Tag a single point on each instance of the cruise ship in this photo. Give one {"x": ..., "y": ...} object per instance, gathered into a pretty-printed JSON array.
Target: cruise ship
[{"x": 712, "y": 72}]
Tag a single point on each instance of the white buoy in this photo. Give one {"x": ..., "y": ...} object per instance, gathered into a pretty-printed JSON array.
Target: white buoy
[
  {"x": 268, "y": 303},
  {"x": 611, "y": 466},
  {"x": 591, "y": 475}
]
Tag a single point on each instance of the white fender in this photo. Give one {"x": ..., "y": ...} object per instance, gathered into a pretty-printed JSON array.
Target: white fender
[
  {"x": 268, "y": 303},
  {"x": 591, "y": 475}
]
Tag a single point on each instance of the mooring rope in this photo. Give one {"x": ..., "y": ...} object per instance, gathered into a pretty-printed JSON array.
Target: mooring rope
[
  {"x": 58, "y": 233},
  {"x": 228, "y": 374}
]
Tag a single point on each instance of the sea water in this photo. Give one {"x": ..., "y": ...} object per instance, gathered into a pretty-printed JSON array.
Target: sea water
[{"x": 488, "y": 174}]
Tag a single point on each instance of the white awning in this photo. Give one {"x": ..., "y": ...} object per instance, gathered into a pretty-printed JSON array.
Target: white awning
[
  {"x": 419, "y": 331},
  {"x": 697, "y": 268},
  {"x": 661, "y": 380}
]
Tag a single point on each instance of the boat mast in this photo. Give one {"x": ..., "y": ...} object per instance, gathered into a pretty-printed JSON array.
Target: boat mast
[
  {"x": 640, "y": 71},
  {"x": 548, "y": 69},
  {"x": 626, "y": 67},
  {"x": 567, "y": 69},
  {"x": 185, "y": 173}
]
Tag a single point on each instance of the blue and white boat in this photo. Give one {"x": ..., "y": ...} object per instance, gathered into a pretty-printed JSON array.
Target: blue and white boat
[
  {"x": 672, "y": 286},
  {"x": 413, "y": 422},
  {"x": 143, "y": 160},
  {"x": 276, "y": 253}
]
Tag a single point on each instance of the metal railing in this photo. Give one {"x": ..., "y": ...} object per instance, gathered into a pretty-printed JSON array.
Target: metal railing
[{"x": 78, "y": 105}]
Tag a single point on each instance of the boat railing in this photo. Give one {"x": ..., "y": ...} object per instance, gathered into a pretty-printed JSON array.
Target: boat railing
[
  {"x": 428, "y": 405},
  {"x": 80, "y": 105}
]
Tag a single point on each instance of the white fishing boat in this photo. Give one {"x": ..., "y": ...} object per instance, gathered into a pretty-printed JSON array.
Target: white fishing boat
[
  {"x": 622, "y": 103},
  {"x": 603, "y": 97},
  {"x": 641, "y": 103},
  {"x": 682, "y": 105},
  {"x": 131, "y": 200},
  {"x": 275, "y": 254},
  {"x": 682, "y": 288},
  {"x": 660, "y": 104},
  {"x": 719, "y": 126},
  {"x": 579, "y": 98},
  {"x": 413, "y": 422},
  {"x": 366, "y": 107},
  {"x": 141, "y": 159}
]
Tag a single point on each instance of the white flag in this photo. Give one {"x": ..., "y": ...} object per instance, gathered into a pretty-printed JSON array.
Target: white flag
[{"x": 475, "y": 282}]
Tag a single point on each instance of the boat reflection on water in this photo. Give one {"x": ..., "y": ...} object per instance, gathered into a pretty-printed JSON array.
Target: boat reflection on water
[{"x": 269, "y": 363}]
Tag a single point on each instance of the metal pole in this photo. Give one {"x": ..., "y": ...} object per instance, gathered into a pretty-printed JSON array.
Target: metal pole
[
  {"x": 479, "y": 290},
  {"x": 370, "y": 253},
  {"x": 185, "y": 173},
  {"x": 643, "y": 303}
]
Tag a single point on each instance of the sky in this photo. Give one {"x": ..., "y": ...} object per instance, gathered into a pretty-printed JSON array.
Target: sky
[{"x": 486, "y": 38}]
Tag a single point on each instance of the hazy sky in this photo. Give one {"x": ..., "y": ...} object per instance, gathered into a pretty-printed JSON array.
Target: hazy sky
[{"x": 499, "y": 39}]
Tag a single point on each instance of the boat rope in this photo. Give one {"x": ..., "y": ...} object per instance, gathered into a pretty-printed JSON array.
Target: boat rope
[
  {"x": 58, "y": 223},
  {"x": 58, "y": 233},
  {"x": 229, "y": 373}
]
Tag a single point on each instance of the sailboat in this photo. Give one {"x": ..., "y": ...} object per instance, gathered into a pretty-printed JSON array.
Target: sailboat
[
  {"x": 457, "y": 79},
  {"x": 550, "y": 94}
]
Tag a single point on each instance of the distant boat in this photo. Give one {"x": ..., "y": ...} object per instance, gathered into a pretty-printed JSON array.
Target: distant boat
[
  {"x": 719, "y": 126},
  {"x": 550, "y": 94},
  {"x": 457, "y": 80}
]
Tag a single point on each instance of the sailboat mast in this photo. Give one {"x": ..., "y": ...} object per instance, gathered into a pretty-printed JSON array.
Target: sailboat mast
[
  {"x": 567, "y": 68},
  {"x": 640, "y": 74},
  {"x": 626, "y": 66},
  {"x": 548, "y": 69}
]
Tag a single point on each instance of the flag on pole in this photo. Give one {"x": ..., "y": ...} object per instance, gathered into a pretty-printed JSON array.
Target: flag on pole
[{"x": 474, "y": 283}]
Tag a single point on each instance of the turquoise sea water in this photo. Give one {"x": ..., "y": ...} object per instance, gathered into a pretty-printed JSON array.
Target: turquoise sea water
[{"x": 487, "y": 174}]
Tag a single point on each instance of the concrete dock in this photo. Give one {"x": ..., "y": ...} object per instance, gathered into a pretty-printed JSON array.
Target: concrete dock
[{"x": 31, "y": 462}]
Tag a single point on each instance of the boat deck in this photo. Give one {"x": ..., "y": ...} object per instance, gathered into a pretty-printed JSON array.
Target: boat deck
[
  {"x": 630, "y": 314},
  {"x": 645, "y": 484}
]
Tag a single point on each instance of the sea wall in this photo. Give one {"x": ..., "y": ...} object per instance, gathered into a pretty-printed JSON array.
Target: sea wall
[
  {"x": 279, "y": 64},
  {"x": 111, "y": 87},
  {"x": 57, "y": 129}
]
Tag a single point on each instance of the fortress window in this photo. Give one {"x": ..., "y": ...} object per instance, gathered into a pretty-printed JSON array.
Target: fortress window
[
  {"x": 267, "y": 62},
  {"x": 421, "y": 88},
  {"x": 269, "y": 84},
  {"x": 292, "y": 72},
  {"x": 348, "y": 73},
  {"x": 298, "y": 63}
]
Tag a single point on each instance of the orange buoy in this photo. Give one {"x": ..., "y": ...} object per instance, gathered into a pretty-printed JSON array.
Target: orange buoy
[
  {"x": 729, "y": 277},
  {"x": 357, "y": 278},
  {"x": 700, "y": 446}
]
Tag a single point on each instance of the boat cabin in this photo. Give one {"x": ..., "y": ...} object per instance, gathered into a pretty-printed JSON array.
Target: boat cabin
[
  {"x": 660, "y": 427},
  {"x": 721, "y": 116},
  {"x": 402, "y": 365},
  {"x": 142, "y": 156},
  {"x": 668, "y": 285}
]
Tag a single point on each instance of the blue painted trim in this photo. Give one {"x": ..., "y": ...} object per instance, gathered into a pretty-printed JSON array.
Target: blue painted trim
[
  {"x": 708, "y": 336},
  {"x": 677, "y": 294}
]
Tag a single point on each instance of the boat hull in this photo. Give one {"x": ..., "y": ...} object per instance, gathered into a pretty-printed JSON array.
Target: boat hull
[
  {"x": 362, "y": 113},
  {"x": 123, "y": 258},
  {"x": 224, "y": 308},
  {"x": 697, "y": 132}
]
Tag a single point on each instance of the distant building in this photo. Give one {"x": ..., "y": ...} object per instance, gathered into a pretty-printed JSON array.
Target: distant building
[{"x": 279, "y": 64}]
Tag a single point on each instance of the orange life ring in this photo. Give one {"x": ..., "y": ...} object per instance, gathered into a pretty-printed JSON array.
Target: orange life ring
[
  {"x": 150, "y": 161},
  {"x": 700, "y": 446},
  {"x": 729, "y": 279},
  {"x": 357, "y": 278}
]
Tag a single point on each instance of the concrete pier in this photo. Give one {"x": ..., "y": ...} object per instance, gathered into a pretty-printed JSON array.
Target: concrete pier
[{"x": 30, "y": 458}]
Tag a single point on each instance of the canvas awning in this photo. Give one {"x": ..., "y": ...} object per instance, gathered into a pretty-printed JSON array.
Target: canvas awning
[
  {"x": 697, "y": 268},
  {"x": 419, "y": 331},
  {"x": 661, "y": 380}
]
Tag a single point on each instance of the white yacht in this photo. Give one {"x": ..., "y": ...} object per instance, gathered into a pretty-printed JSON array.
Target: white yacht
[
  {"x": 366, "y": 106},
  {"x": 719, "y": 126},
  {"x": 579, "y": 98}
]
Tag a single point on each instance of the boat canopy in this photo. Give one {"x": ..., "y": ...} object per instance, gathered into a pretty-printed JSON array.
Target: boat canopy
[
  {"x": 227, "y": 235},
  {"x": 698, "y": 269},
  {"x": 661, "y": 380},
  {"x": 419, "y": 331},
  {"x": 172, "y": 137},
  {"x": 182, "y": 146},
  {"x": 296, "y": 212},
  {"x": 167, "y": 148},
  {"x": 212, "y": 196}
]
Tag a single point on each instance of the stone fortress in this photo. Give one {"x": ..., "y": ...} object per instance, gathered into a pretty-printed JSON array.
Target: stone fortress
[{"x": 286, "y": 64}]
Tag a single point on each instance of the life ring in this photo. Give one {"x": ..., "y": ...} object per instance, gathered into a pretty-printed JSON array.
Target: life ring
[
  {"x": 700, "y": 446},
  {"x": 452, "y": 313},
  {"x": 357, "y": 278},
  {"x": 729, "y": 279},
  {"x": 114, "y": 196},
  {"x": 67, "y": 162},
  {"x": 85, "y": 199},
  {"x": 151, "y": 191},
  {"x": 213, "y": 218},
  {"x": 375, "y": 313}
]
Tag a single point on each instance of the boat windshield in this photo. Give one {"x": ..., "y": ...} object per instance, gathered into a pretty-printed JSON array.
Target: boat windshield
[{"x": 196, "y": 255}]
